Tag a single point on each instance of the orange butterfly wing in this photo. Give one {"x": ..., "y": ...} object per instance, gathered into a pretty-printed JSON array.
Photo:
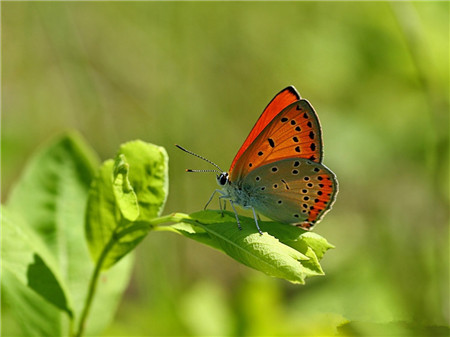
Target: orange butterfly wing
[
  {"x": 277, "y": 104},
  {"x": 293, "y": 133}
]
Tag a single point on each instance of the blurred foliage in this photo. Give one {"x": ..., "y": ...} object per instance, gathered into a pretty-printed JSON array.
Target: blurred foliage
[{"x": 199, "y": 74}]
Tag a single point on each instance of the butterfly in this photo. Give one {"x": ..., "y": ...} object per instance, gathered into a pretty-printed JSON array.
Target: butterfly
[{"x": 278, "y": 170}]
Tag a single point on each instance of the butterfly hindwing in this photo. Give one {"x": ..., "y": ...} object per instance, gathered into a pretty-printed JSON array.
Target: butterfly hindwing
[
  {"x": 294, "y": 133},
  {"x": 292, "y": 190}
]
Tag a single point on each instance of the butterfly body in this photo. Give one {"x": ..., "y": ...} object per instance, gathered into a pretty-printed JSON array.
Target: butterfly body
[{"x": 278, "y": 171}]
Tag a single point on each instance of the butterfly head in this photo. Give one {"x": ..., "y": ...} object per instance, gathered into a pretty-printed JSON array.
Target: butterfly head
[{"x": 223, "y": 178}]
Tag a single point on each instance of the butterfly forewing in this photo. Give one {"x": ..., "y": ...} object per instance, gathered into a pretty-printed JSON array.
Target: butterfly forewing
[
  {"x": 292, "y": 190},
  {"x": 281, "y": 100},
  {"x": 294, "y": 133}
]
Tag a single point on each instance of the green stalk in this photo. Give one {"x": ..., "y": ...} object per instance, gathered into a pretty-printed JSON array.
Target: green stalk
[
  {"x": 174, "y": 217},
  {"x": 93, "y": 286}
]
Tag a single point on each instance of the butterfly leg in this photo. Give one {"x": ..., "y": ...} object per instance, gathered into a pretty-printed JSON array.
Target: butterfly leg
[
  {"x": 224, "y": 197},
  {"x": 220, "y": 206},
  {"x": 210, "y": 198},
  {"x": 256, "y": 221},
  {"x": 237, "y": 217}
]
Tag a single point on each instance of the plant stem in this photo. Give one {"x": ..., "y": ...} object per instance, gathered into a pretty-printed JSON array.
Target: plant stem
[
  {"x": 174, "y": 217},
  {"x": 71, "y": 325},
  {"x": 93, "y": 286}
]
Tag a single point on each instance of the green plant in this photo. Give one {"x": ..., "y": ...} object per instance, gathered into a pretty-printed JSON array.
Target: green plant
[{"x": 64, "y": 208}]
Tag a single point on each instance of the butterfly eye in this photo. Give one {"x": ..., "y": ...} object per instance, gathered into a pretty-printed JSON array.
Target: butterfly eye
[{"x": 222, "y": 179}]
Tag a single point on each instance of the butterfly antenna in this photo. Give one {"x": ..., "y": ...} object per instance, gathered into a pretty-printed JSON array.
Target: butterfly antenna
[
  {"x": 198, "y": 156},
  {"x": 189, "y": 170}
]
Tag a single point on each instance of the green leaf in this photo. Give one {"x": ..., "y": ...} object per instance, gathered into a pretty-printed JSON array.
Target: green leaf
[
  {"x": 126, "y": 199},
  {"x": 195, "y": 233},
  {"x": 25, "y": 257},
  {"x": 311, "y": 244},
  {"x": 281, "y": 251},
  {"x": 317, "y": 243},
  {"x": 32, "y": 314},
  {"x": 102, "y": 214},
  {"x": 51, "y": 193},
  {"x": 106, "y": 224},
  {"x": 148, "y": 176},
  {"x": 51, "y": 197}
]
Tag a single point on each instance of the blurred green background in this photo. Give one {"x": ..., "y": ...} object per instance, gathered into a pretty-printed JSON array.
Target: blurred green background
[{"x": 199, "y": 74}]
